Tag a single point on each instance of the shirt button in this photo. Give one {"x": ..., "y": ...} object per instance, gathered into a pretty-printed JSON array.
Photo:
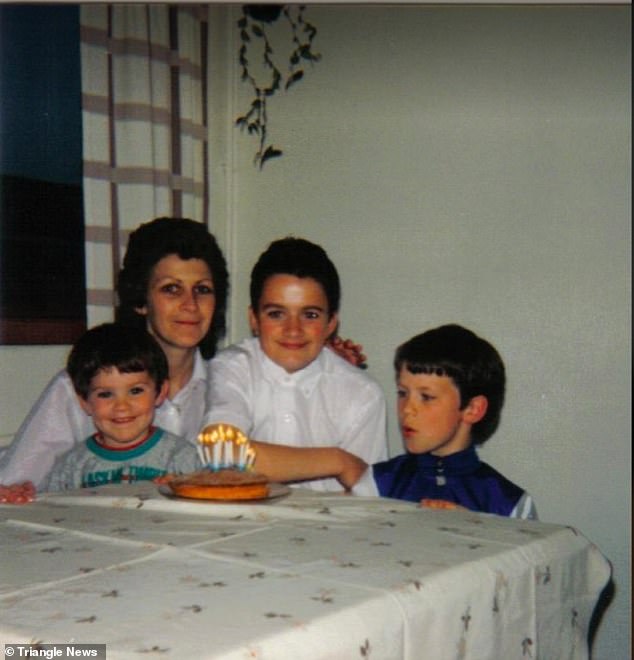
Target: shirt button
[{"x": 287, "y": 417}]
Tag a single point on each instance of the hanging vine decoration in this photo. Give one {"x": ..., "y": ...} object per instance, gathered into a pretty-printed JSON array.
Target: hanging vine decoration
[{"x": 253, "y": 33}]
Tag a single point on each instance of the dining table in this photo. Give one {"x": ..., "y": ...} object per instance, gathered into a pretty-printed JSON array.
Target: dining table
[{"x": 297, "y": 575}]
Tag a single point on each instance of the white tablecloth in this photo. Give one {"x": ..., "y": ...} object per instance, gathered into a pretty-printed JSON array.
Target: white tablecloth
[{"x": 304, "y": 576}]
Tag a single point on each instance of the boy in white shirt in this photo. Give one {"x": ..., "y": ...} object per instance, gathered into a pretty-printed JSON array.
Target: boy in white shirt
[{"x": 283, "y": 386}]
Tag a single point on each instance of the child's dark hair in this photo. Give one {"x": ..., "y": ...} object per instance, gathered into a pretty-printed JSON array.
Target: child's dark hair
[
  {"x": 301, "y": 258},
  {"x": 124, "y": 347},
  {"x": 471, "y": 362},
  {"x": 157, "y": 239}
]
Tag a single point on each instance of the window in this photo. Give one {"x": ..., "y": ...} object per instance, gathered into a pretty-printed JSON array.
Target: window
[{"x": 42, "y": 280}]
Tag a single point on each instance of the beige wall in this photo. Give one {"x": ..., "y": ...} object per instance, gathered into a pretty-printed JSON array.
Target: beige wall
[
  {"x": 459, "y": 164},
  {"x": 469, "y": 165}
]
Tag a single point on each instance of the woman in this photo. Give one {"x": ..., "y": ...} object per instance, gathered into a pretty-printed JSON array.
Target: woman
[{"x": 174, "y": 281}]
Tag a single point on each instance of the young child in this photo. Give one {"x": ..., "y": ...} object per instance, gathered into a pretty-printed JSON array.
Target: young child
[
  {"x": 120, "y": 376},
  {"x": 168, "y": 261},
  {"x": 283, "y": 386},
  {"x": 450, "y": 396}
]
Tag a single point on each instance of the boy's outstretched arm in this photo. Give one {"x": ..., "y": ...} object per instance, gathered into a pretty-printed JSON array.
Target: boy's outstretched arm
[
  {"x": 284, "y": 463},
  {"x": 290, "y": 464}
]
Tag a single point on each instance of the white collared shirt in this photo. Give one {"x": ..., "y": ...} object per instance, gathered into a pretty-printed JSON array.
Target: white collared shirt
[
  {"x": 56, "y": 423},
  {"x": 328, "y": 403}
]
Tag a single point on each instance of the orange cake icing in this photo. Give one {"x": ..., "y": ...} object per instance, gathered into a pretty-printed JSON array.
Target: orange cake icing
[{"x": 228, "y": 484}]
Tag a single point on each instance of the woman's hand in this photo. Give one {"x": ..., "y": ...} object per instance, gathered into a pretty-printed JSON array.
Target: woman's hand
[
  {"x": 22, "y": 493},
  {"x": 348, "y": 350}
]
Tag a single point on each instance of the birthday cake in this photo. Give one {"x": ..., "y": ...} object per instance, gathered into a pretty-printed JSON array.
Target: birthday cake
[{"x": 224, "y": 484}]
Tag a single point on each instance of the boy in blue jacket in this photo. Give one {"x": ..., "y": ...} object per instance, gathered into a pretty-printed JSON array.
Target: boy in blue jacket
[{"x": 450, "y": 395}]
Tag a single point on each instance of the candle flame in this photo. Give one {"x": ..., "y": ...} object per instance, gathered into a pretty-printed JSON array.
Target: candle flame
[
  {"x": 222, "y": 439},
  {"x": 250, "y": 458}
]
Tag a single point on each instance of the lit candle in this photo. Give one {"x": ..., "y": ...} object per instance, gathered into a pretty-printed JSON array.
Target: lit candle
[
  {"x": 216, "y": 455},
  {"x": 201, "y": 454},
  {"x": 242, "y": 443},
  {"x": 228, "y": 453},
  {"x": 250, "y": 458}
]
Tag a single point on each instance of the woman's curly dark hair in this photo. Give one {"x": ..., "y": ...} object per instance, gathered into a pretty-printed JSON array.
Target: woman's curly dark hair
[{"x": 157, "y": 239}]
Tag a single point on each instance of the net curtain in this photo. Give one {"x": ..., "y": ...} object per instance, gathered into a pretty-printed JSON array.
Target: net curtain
[{"x": 144, "y": 113}]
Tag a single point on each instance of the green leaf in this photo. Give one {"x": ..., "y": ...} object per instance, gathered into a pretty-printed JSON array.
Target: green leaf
[
  {"x": 306, "y": 53},
  {"x": 271, "y": 152},
  {"x": 252, "y": 25},
  {"x": 298, "y": 75}
]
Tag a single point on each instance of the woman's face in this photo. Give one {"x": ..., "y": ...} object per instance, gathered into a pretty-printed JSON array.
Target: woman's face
[{"x": 180, "y": 302}]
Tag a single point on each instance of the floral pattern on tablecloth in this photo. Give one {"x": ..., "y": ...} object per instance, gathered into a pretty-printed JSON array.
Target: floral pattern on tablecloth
[{"x": 309, "y": 575}]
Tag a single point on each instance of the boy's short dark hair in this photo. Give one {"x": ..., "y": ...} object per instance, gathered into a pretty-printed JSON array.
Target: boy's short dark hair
[
  {"x": 126, "y": 348},
  {"x": 301, "y": 258},
  {"x": 151, "y": 242},
  {"x": 471, "y": 362}
]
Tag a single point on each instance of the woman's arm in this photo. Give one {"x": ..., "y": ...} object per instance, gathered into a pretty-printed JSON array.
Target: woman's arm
[{"x": 53, "y": 426}]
